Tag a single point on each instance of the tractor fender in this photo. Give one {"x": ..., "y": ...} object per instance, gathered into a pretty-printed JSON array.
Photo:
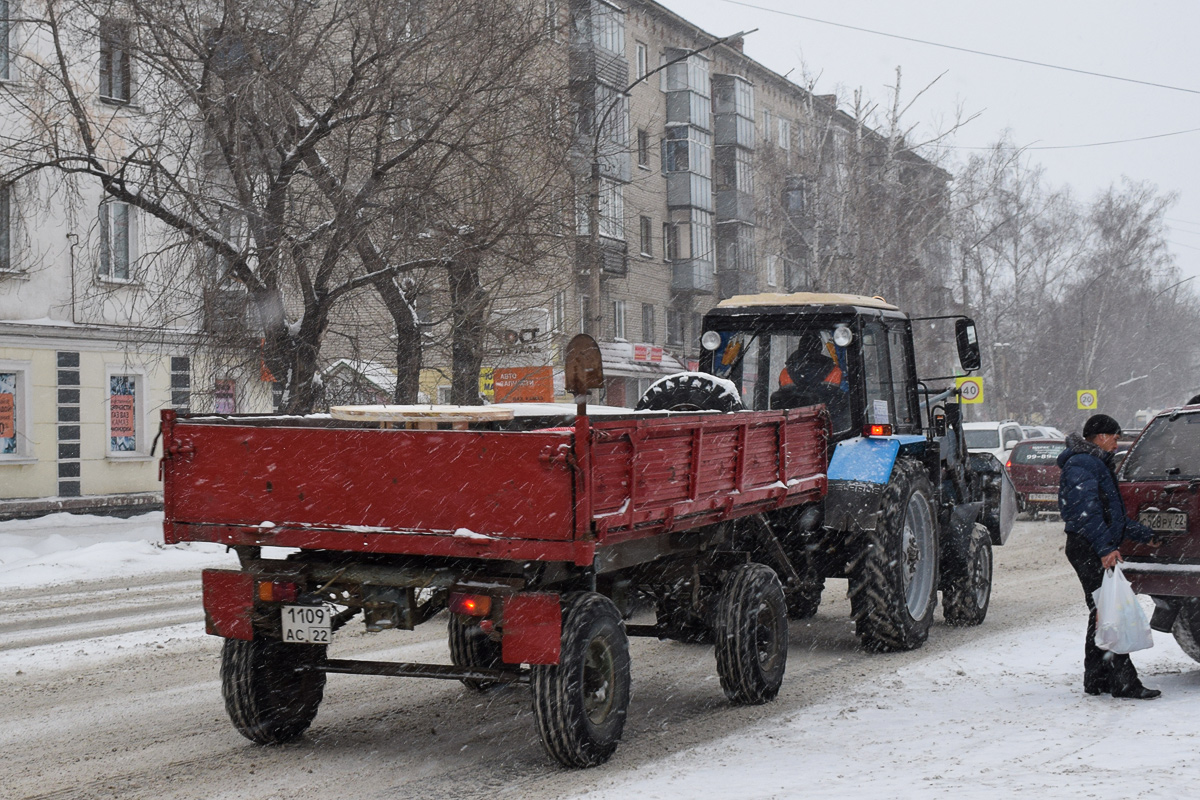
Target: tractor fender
[{"x": 858, "y": 473}]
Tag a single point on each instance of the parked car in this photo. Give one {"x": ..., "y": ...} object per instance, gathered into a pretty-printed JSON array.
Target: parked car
[
  {"x": 996, "y": 438},
  {"x": 1041, "y": 432},
  {"x": 1033, "y": 467},
  {"x": 1160, "y": 484}
]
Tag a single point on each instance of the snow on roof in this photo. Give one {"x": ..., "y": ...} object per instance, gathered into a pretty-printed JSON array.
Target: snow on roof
[
  {"x": 379, "y": 375},
  {"x": 806, "y": 299}
]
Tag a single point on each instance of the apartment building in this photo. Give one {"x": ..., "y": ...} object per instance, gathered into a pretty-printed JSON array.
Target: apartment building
[{"x": 713, "y": 176}]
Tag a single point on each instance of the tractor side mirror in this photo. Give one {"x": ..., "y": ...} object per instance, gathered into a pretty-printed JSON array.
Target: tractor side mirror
[{"x": 968, "y": 343}]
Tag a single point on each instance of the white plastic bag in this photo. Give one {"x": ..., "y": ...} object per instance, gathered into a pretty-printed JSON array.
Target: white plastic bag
[{"x": 1121, "y": 625}]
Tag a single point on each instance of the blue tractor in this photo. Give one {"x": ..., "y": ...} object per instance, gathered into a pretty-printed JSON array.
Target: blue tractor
[{"x": 909, "y": 511}]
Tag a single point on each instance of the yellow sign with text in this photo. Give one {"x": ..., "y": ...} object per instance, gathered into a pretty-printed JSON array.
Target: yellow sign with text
[
  {"x": 970, "y": 390},
  {"x": 1086, "y": 399}
]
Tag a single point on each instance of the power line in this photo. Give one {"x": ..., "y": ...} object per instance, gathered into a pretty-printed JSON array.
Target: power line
[
  {"x": 1073, "y": 146},
  {"x": 967, "y": 50}
]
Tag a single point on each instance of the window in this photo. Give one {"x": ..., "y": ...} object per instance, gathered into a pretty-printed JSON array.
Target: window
[
  {"x": 115, "y": 76},
  {"x": 904, "y": 418},
  {"x": 785, "y": 133},
  {"x": 768, "y": 129},
  {"x": 612, "y": 209},
  {"x": 608, "y": 28},
  {"x": 670, "y": 241},
  {"x": 585, "y": 314},
  {"x": 646, "y": 236},
  {"x": 687, "y": 149},
  {"x": 648, "y": 332},
  {"x": 5, "y": 230},
  {"x": 125, "y": 404},
  {"x": 643, "y": 149},
  {"x": 225, "y": 396},
  {"x": 14, "y": 410},
  {"x": 675, "y": 326},
  {"x": 643, "y": 60},
  {"x": 772, "y": 270},
  {"x": 558, "y": 312},
  {"x": 675, "y": 150},
  {"x": 115, "y": 251},
  {"x": 618, "y": 307},
  {"x": 5, "y": 60}
]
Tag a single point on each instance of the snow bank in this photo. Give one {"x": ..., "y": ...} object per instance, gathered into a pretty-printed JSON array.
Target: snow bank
[{"x": 65, "y": 548}]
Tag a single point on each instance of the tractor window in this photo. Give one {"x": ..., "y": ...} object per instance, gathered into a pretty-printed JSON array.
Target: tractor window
[
  {"x": 877, "y": 374},
  {"x": 904, "y": 418}
]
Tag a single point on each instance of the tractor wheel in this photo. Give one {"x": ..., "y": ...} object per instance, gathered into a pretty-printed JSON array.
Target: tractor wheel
[
  {"x": 1186, "y": 629},
  {"x": 690, "y": 391},
  {"x": 471, "y": 647},
  {"x": 894, "y": 581},
  {"x": 751, "y": 635},
  {"x": 272, "y": 689},
  {"x": 969, "y": 584},
  {"x": 579, "y": 703}
]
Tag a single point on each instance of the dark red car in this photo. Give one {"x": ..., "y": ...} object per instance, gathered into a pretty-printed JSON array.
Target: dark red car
[
  {"x": 1033, "y": 467},
  {"x": 1160, "y": 484}
]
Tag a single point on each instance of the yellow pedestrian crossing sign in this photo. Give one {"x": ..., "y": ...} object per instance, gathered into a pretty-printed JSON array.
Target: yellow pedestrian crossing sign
[
  {"x": 1086, "y": 399},
  {"x": 970, "y": 390}
]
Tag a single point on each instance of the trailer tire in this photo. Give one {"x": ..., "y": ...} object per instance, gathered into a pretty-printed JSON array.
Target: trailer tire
[
  {"x": 751, "y": 635},
  {"x": 580, "y": 702},
  {"x": 1186, "y": 629},
  {"x": 969, "y": 586},
  {"x": 272, "y": 689},
  {"x": 471, "y": 647},
  {"x": 689, "y": 391},
  {"x": 893, "y": 581}
]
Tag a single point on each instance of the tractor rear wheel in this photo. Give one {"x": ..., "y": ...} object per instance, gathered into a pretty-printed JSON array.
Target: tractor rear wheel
[{"x": 893, "y": 583}]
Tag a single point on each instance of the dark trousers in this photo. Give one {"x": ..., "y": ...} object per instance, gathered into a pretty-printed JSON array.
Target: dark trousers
[{"x": 1102, "y": 670}]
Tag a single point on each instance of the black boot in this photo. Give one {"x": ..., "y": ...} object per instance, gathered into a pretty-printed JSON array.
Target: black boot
[{"x": 1138, "y": 692}]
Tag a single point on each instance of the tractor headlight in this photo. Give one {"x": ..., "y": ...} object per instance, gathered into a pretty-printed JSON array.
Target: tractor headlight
[
  {"x": 842, "y": 335},
  {"x": 711, "y": 340}
]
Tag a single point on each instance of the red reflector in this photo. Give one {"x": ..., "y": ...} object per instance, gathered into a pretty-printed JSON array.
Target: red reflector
[
  {"x": 877, "y": 430},
  {"x": 278, "y": 592},
  {"x": 470, "y": 605}
]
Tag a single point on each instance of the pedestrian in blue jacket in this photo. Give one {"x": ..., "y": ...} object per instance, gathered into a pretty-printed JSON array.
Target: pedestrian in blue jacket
[{"x": 1094, "y": 517}]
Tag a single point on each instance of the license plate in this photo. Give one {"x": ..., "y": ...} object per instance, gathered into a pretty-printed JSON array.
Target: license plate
[
  {"x": 307, "y": 624},
  {"x": 1043, "y": 496},
  {"x": 1165, "y": 521}
]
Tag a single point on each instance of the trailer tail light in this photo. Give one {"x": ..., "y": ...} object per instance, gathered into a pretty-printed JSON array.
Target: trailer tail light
[
  {"x": 877, "y": 430},
  {"x": 470, "y": 605},
  {"x": 277, "y": 592}
]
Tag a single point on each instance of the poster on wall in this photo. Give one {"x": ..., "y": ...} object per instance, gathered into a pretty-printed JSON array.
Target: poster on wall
[
  {"x": 122, "y": 402},
  {"x": 226, "y": 396},
  {"x": 8, "y": 413}
]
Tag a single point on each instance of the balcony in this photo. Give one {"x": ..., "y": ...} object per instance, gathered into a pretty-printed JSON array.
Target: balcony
[
  {"x": 735, "y": 206},
  {"x": 732, "y": 129},
  {"x": 694, "y": 276}
]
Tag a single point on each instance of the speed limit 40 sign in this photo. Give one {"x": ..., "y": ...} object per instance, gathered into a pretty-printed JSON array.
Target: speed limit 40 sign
[
  {"x": 970, "y": 390},
  {"x": 1086, "y": 399}
]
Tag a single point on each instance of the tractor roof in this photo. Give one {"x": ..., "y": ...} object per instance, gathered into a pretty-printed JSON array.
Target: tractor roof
[{"x": 805, "y": 299}]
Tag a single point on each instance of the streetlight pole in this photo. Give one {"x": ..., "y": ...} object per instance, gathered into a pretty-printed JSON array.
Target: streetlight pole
[{"x": 594, "y": 262}]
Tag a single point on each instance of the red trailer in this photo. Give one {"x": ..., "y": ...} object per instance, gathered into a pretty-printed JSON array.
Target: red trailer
[{"x": 538, "y": 539}]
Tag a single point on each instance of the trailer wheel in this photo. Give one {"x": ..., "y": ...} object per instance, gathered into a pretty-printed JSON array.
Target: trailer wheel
[
  {"x": 969, "y": 587},
  {"x": 804, "y": 601},
  {"x": 893, "y": 583},
  {"x": 272, "y": 689},
  {"x": 580, "y": 702},
  {"x": 751, "y": 635},
  {"x": 471, "y": 647},
  {"x": 1186, "y": 629},
  {"x": 689, "y": 391}
]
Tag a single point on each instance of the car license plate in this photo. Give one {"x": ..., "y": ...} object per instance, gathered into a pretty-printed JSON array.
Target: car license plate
[
  {"x": 307, "y": 624},
  {"x": 1042, "y": 496},
  {"x": 1164, "y": 521}
]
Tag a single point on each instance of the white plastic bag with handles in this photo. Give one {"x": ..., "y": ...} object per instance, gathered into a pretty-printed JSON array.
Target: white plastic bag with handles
[{"x": 1121, "y": 625}]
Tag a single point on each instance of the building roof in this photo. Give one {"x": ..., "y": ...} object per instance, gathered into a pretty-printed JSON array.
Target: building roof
[{"x": 806, "y": 299}]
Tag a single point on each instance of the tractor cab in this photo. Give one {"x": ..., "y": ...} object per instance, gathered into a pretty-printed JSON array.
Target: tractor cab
[{"x": 851, "y": 353}]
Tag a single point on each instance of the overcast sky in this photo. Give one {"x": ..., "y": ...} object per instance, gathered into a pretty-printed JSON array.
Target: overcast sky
[{"x": 1153, "y": 42}]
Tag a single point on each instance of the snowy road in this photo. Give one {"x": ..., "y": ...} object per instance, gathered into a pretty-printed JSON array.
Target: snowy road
[{"x": 111, "y": 691}]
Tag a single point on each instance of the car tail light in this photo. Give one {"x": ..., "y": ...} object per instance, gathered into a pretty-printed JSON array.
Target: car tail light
[
  {"x": 1008, "y": 464},
  {"x": 470, "y": 605},
  {"x": 877, "y": 430},
  {"x": 277, "y": 592}
]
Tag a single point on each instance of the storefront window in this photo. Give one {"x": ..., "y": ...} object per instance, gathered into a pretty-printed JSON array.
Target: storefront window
[{"x": 122, "y": 410}]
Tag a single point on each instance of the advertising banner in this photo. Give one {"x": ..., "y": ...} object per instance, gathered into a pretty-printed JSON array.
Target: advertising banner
[{"x": 523, "y": 384}]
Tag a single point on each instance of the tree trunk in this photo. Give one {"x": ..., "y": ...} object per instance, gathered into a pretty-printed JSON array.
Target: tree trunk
[
  {"x": 468, "y": 306},
  {"x": 408, "y": 339}
]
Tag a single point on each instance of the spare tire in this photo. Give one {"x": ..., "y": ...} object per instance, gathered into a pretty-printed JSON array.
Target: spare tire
[{"x": 690, "y": 391}]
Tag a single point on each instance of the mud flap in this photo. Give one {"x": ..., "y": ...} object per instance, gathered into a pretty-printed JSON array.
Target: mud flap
[
  {"x": 531, "y": 628},
  {"x": 1000, "y": 496},
  {"x": 228, "y": 603}
]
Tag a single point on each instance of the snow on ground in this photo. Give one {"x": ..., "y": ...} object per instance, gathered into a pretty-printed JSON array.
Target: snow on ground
[
  {"x": 67, "y": 548},
  {"x": 1001, "y": 717}
]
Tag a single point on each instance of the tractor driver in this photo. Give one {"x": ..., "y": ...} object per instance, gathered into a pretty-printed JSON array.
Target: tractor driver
[{"x": 812, "y": 377}]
